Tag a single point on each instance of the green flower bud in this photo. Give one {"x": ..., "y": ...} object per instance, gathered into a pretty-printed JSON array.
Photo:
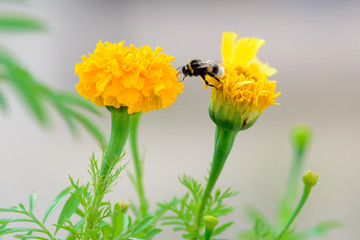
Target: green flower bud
[
  {"x": 310, "y": 179},
  {"x": 300, "y": 136},
  {"x": 123, "y": 206},
  {"x": 210, "y": 222}
]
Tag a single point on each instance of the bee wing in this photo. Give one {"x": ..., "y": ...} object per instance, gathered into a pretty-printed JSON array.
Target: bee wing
[{"x": 209, "y": 63}]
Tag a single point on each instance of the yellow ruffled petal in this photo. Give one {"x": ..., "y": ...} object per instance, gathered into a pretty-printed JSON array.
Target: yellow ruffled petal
[
  {"x": 245, "y": 91},
  {"x": 227, "y": 47},
  {"x": 118, "y": 76},
  {"x": 246, "y": 49},
  {"x": 264, "y": 67}
]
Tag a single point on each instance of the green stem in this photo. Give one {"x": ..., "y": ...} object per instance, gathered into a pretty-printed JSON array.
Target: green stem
[
  {"x": 138, "y": 165},
  {"x": 291, "y": 189},
  {"x": 300, "y": 205},
  {"x": 120, "y": 127},
  {"x": 41, "y": 225},
  {"x": 208, "y": 233},
  {"x": 294, "y": 177},
  {"x": 224, "y": 140}
]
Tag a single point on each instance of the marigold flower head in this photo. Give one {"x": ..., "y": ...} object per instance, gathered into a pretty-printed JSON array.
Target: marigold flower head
[
  {"x": 245, "y": 91},
  {"x": 120, "y": 76}
]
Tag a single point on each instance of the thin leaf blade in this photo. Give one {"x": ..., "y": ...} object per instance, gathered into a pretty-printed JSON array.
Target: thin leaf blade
[
  {"x": 20, "y": 22},
  {"x": 32, "y": 201},
  {"x": 68, "y": 210},
  {"x": 56, "y": 202},
  {"x": 76, "y": 100},
  {"x": 90, "y": 126},
  {"x": 3, "y": 103},
  {"x": 150, "y": 234},
  {"x": 145, "y": 222}
]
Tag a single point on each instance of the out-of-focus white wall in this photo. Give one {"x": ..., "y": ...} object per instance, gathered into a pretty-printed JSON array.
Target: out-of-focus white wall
[{"x": 313, "y": 44}]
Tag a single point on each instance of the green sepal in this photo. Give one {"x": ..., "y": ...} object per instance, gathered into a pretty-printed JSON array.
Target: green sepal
[
  {"x": 225, "y": 116},
  {"x": 248, "y": 125}
]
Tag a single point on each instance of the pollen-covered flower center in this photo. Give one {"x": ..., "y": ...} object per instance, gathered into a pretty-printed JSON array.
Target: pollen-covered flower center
[{"x": 252, "y": 72}]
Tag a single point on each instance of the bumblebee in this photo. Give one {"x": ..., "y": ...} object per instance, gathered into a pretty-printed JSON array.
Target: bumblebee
[{"x": 198, "y": 67}]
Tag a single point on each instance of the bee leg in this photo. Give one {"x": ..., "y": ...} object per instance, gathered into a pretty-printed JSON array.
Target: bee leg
[
  {"x": 212, "y": 75},
  {"x": 206, "y": 82},
  {"x": 178, "y": 70}
]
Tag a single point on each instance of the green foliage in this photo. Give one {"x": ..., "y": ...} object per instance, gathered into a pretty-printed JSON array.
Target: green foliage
[
  {"x": 262, "y": 228},
  {"x": 35, "y": 94},
  {"x": 101, "y": 219},
  {"x": 20, "y": 22},
  {"x": 37, "y": 230},
  {"x": 95, "y": 218},
  {"x": 184, "y": 209}
]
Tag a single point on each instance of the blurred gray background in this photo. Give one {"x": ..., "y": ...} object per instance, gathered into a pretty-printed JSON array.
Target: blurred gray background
[{"x": 313, "y": 44}]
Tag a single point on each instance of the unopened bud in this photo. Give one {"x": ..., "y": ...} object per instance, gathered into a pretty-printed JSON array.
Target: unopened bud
[
  {"x": 210, "y": 222},
  {"x": 300, "y": 135},
  {"x": 123, "y": 206},
  {"x": 310, "y": 178}
]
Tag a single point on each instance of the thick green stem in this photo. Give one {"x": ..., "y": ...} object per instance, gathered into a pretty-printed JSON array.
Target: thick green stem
[
  {"x": 208, "y": 233},
  {"x": 224, "y": 140},
  {"x": 300, "y": 205},
  {"x": 138, "y": 165},
  {"x": 120, "y": 127}
]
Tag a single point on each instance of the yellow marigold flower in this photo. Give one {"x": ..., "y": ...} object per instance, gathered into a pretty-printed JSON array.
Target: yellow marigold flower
[
  {"x": 120, "y": 76},
  {"x": 245, "y": 91}
]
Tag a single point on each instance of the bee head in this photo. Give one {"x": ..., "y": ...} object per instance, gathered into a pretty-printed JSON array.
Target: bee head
[{"x": 185, "y": 70}]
